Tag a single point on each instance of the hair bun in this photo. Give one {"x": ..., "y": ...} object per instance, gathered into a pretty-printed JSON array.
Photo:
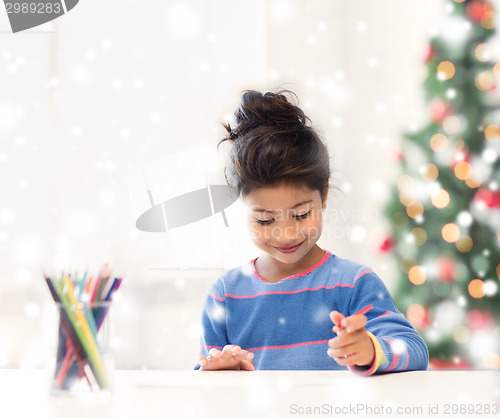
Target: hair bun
[
  {"x": 272, "y": 145},
  {"x": 269, "y": 109}
]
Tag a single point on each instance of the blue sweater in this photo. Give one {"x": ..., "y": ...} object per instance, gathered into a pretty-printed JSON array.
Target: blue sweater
[{"x": 287, "y": 325}]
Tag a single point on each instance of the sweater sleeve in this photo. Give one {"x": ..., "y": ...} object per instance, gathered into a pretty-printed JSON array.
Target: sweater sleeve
[
  {"x": 397, "y": 345},
  {"x": 213, "y": 322}
]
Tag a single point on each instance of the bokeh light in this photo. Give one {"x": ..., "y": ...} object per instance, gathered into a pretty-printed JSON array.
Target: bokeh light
[
  {"x": 440, "y": 199},
  {"x": 492, "y": 361},
  {"x": 415, "y": 209},
  {"x": 451, "y": 124},
  {"x": 496, "y": 70},
  {"x": 473, "y": 182},
  {"x": 480, "y": 264},
  {"x": 490, "y": 287},
  {"x": 417, "y": 315},
  {"x": 439, "y": 142},
  {"x": 484, "y": 80},
  {"x": 460, "y": 155},
  {"x": 450, "y": 232},
  {"x": 406, "y": 198},
  {"x": 482, "y": 52},
  {"x": 438, "y": 110},
  {"x": 487, "y": 21},
  {"x": 399, "y": 220},
  {"x": 459, "y": 144},
  {"x": 464, "y": 244},
  {"x": 465, "y": 218},
  {"x": 476, "y": 288},
  {"x": 445, "y": 70},
  {"x": 419, "y": 235},
  {"x": 417, "y": 275},
  {"x": 479, "y": 319},
  {"x": 405, "y": 183},
  {"x": 429, "y": 172},
  {"x": 463, "y": 170},
  {"x": 492, "y": 132},
  {"x": 407, "y": 262},
  {"x": 462, "y": 334}
]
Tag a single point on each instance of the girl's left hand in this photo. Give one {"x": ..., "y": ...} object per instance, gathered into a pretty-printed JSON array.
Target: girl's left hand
[
  {"x": 232, "y": 357},
  {"x": 352, "y": 345}
]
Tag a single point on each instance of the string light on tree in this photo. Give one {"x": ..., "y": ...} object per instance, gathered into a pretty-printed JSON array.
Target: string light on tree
[
  {"x": 445, "y": 70},
  {"x": 451, "y": 124},
  {"x": 417, "y": 275}
]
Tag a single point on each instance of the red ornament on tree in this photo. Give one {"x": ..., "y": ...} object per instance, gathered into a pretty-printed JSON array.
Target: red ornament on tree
[
  {"x": 490, "y": 198},
  {"x": 447, "y": 269},
  {"x": 429, "y": 53},
  {"x": 438, "y": 110},
  {"x": 397, "y": 155},
  {"x": 418, "y": 315},
  {"x": 476, "y": 10},
  {"x": 477, "y": 319},
  {"x": 485, "y": 206},
  {"x": 438, "y": 364},
  {"x": 386, "y": 245}
]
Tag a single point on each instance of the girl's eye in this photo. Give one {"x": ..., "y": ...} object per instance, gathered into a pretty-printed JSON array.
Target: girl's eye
[
  {"x": 303, "y": 216},
  {"x": 270, "y": 221}
]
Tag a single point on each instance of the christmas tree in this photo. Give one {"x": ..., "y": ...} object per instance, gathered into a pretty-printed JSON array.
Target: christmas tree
[{"x": 445, "y": 206}]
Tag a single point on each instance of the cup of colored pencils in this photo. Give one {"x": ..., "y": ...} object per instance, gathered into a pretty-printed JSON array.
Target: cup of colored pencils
[{"x": 83, "y": 359}]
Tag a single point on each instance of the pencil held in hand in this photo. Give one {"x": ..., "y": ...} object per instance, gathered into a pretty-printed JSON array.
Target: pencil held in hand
[{"x": 360, "y": 312}]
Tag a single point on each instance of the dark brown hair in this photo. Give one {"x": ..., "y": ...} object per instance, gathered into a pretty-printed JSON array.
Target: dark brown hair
[{"x": 274, "y": 144}]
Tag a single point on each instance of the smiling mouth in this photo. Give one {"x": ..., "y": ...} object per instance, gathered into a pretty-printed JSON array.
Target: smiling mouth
[{"x": 289, "y": 249}]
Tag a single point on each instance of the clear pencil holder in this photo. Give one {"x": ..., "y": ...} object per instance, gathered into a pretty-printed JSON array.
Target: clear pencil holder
[{"x": 83, "y": 356}]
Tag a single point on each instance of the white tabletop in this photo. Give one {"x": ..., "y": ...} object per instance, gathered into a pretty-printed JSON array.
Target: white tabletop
[{"x": 272, "y": 394}]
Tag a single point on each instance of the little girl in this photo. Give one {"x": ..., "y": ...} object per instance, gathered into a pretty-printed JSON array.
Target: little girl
[{"x": 277, "y": 311}]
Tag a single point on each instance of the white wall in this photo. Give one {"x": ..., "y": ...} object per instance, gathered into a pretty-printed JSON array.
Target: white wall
[{"x": 95, "y": 104}]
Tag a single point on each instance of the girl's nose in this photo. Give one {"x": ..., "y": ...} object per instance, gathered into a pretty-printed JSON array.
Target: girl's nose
[{"x": 289, "y": 234}]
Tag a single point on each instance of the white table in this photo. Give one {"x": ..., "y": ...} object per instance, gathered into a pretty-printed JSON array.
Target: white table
[{"x": 269, "y": 394}]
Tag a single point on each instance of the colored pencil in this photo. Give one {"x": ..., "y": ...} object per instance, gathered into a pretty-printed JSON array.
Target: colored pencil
[
  {"x": 70, "y": 333},
  {"x": 88, "y": 340},
  {"x": 360, "y": 312},
  {"x": 81, "y": 317}
]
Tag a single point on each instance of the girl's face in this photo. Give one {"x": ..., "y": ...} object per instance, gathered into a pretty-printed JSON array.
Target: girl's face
[{"x": 285, "y": 221}]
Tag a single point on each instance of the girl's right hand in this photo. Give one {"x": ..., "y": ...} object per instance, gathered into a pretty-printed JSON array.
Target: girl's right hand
[{"x": 232, "y": 357}]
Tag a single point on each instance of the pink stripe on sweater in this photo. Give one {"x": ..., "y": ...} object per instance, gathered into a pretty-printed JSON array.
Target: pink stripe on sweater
[
  {"x": 315, "y": 266},
  {"x": 279, "y": 347},
  {"x": 361, "y": 275},
  {"x": 395, "y": 358},
  {"x": 216, "y": 297},
  {"x": 287, "y": 292},
  {"x": 407, "y": 358}
]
